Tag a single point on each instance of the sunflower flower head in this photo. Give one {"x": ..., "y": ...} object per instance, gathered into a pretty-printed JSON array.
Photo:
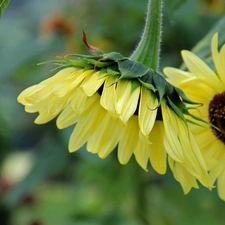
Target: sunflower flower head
[
  {"x": 116, "y": 101},
  {"x": 206, "y": 84}
]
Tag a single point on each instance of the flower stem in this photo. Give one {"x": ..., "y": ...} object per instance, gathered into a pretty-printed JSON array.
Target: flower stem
[{"x": 148, "y": 49}]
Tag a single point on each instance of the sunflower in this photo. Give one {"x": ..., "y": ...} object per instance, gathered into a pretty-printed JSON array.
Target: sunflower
[
  {"x": 205, "y": 84},
  {"x": 117, "y": 102}
]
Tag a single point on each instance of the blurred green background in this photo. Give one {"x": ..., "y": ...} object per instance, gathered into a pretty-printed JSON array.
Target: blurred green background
[{"x": 40, "y": 182}]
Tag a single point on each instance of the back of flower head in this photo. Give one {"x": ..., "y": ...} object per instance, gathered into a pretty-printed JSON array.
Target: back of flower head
[{"x": 123, "y": 102}]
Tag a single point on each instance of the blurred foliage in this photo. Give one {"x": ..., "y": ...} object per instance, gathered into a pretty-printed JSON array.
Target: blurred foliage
[
  {"x": 3, "y": 6},
  {"x": 40, "y": 182}
]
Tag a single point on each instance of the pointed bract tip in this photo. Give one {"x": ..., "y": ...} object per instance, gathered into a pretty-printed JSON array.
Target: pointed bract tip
[{"x": 92, "y": 49}]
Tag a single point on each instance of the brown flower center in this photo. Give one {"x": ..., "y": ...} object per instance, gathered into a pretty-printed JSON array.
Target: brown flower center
[{"x": 217, "y": 115}]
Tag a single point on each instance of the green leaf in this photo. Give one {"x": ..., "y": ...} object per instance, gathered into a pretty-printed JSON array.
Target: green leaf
[{"x": 3, "y": 6}]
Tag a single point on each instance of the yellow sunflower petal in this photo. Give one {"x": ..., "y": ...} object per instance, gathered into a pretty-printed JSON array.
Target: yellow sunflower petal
[
  {"x": 200, "y": 69},
  {"x": 85, "y": 128},
  {"x": 221, "y": 185},
  {"x": 50, "y": 109},
  {"x": 157, "y": 152},
  {"x": 56, "y": 83},
  {"x": 147, "y": 111},
  {"x": 176, "y": 76},
  {"x": 67, "y": 118},
  {"x": 108, "y": 94},
  {"x": 44, "y": 117},
  {"x": 196, "y": 89},
  {"x": 194, "y": 161},
  {"x": 93, "y": 83},
  {"x": 129, "y": 140},
  {"x": 64, "y": 86},
  {"x": 79, "y": 102},
  {"x": 186, "y": 180},
  {"x": 218, "y": 169},
  {"x": 24, "y": 94},
  {"x": 105, "y": 138},
  {"x": 171, "y": 141},
  {"x": 126, "y": 99},
  {"x": 114, "y": 134},
  {"x": 142, "y": 154},
  {"x": 218, "y": 57}
]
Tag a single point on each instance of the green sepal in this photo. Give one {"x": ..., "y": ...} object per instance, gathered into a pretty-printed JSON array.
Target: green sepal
[
  {"x": 97, "y": 63},
  {"x": 114, "y": 56},
  {"x": 195, "y": 123},
  {"x": 80, "y": 64},
  {"x": 177, "y": 110},
  {"x": 185, "y": 98},
  {"x": 162, "y": 86},
  {"x": 134, "y": 84},
  {"x": 147, "y": 83},
  {"x": 88, "y": 67},
  {"x": 131, "y": 69},
  {"x": 81, "y": 56},
  {"x": 113, "y": 70},
  {"x": 186, "y": 112}
]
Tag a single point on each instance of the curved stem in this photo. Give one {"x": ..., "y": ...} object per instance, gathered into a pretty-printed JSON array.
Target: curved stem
[{"x": 148, "y": 49}]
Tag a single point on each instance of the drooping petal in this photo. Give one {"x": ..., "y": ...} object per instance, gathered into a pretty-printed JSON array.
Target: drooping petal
[
  {"x": 105, "y": 137},
  {"x": 79, "y": 102},
  {"x": 186, "y": 180},
  {"x": 128, "y": 141},
  {"x": 218, "y": 169},
  {"x": 50, "y": 109},
  {"x": 24, "y": 94},
  {"x": 171, "y": 141},
  {"x": 108, "y": 94},
  {"x": 178, "y": 133},
  {"x": 157, "y": 152},
  {"x": 221, "y": 183},
  {"x": 86, "y": 127},
  {"x": 67, "y": 118},
  {"x": 147, "y": 111},
  {"x": 93, "y": 83},
  {"x": 69, "y": 83},
  {"x": 194, "y": 162},
  {"x": 142, "y": 154},
  {"x": 126, "y": 97}
]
